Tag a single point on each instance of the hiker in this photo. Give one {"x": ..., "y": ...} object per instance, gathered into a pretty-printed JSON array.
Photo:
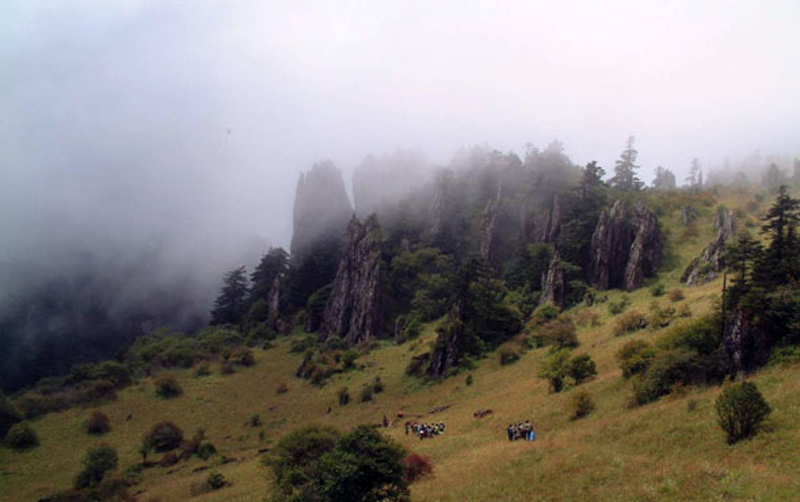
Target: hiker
[
  {"x": 385, "y": 421},
  {"x": 511, "y": 432},
  {"x": 528, "y": 430}
]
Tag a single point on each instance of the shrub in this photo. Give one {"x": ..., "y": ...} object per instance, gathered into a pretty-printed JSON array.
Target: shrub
[
  {"x": 509, "y": 353},
  {"x": 366, "y": 393},
  {"x": 202, "y": 369},
  {"x": 582, "y": 405},
  {"x": 344, "y": 396},
  {"x": 629, "y": 323},
  {"x": 98, "y": 423},
  {"x": 416, "y": 467},
  {"x": 618, "y": 306},
  {"x": 587, "y": 317},
  {"x": 560, "y": 333},
  {"x": 544, "y": 313},
  {"x": 377, "y": 385},
  {"x": 226, "y": 368},
  {"x": 666, "y": 369},
  {"x": 554, "y": 369},
  {"x": 189, "y": 448},
  {"x": 581, "y": 368},
  {"x": 660, "y": 317},
  {"x": 469, "y": 380},
  {"x": 167, "y": 387},
  {"x": 657, "y": 290},
  {"x": 295, "y": 460},
  {"x": 416, "y": 367},
  {"x": 8, "y": 416},
  {"x": 255, "y": 420},
  {"x": 215, "y": 481},
  {"x": 676, "y": 295},
  {"x": 740, "y": 409},
  {"x": 21, "y": 437},
  {"x": 684, "y": 310},
  {"x": 206, "y": 451},
  {"x": 349, "y": 357},
  {"x": 243, "y": 357},
  {"x": 634, "y": 357},
  {"x": 164, "y": 436},
  {"x": 169, "y": 459},
  {"x": 282, "y": 388},
  {"x": 97, "y": 462}
]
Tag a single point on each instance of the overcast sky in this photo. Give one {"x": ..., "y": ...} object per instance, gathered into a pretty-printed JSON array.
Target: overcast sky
[{"x": 123, "y": 120}]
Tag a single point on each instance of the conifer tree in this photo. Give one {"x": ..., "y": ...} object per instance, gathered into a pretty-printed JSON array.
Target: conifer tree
[
  {"x": 273, "y": 264},
  {"x": 231, "y": 304},
  {"x": 625, "y": 178}
]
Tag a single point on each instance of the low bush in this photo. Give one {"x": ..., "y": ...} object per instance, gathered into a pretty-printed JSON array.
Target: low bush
[
  {"x": 582, "y": 405},
  {"x": 255, "y": 420},
  {"x": 629, "y": 323},
  {"x": 684, "y": 310},
  {"x": 167, "y": 387},
  {"x": 97, "y": 462},
  {"x": 554, "y": 369},
  {"x": 215, "y": 481},
  {"x": 189, "y": 448},
  {"x": 666, "y": 369},
  {"x": 657, "y": 290},
  {"x": 344, "y": 396},
  {"x": 469, "y": 380},
  {"x": 740, "y": 410},
  {"x": 509, "y": 352},
  {"x": 416, "y": 467},
  {"x": 366, "y": 393},
  {"x": 660, "y": 317},
  {"x": 581, "y": 368},
  {"x": 243, "y": 357},
  {"x": 587, "y": 317},
  {"x": 544, "y": 313},
  {"x": 202, "y": 369},
  {"x": 618, "y": 306},
  {"x": 8, "y": 415},
  {"x": 98, "y": 423},
  {"x": 676, "y": 295},
  {"x": 206, "y": 451},
  {"x": 164, "y": 436},
  {"x": 416, "y": 367},
  {"x": 349, "y": 357},
  {"x": 21, "y": 437},
  {"x": 560, "y": 333},
  {"x": 169, "y": 459},
  {"x": 634, "y": 357},
  {"x": 226, "y": 368},
  {"x": 377, "y": 385},
  {"x": 282, "y": 388}
]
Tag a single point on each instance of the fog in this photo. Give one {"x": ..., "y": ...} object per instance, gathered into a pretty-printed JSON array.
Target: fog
[{"x": 180, "y": 128}]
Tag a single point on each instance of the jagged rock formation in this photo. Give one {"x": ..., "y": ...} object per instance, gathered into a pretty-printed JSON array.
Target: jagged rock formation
[
  {"x": 625, "y": 251},
  {"x": 646, "y": 251},
  {"x": 447, "y": 352},
  {"x": 321, "y": 209},
  {"x": 488, "y": 229},
  {"x": 440, "y": 198},
  {"x": 380, "y": 182},
  {"x": 746, "y": 345},
  {"x": 611, "y": 243},
  {"x": 553, "y": 226},
  {"x": 274, "y": 302},
  {"x": 553, "y": 286},
  {"x": 354, "y": 310},
  {"x": 711, "y": 261}
]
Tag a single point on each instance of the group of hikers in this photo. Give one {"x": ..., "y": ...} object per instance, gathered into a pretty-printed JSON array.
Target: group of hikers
[
  {"x": 424, "y": 430},
  {"x": 522, "y": 431}
]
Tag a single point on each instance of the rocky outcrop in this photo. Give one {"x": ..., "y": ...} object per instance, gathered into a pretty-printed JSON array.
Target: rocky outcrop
[
  {"x": 711, "y": 261},
  {"x": 553, "y": 285},
  {"x": 321, "y": 209},
  {"x": 611, "y": 243},
  {"x": 646, "y": 251},
  {"x": 447, "y": 352},
  {"x": 354, "y": 311},
  {"x": 488, "y": 229},
  {"x": 440, "y": 201},
  {"x": 274, "y": 302},
  {"x": 746, "y": 345},
  {"x": 625, "y": 250},
  {"x": 380, "y": 182},
  {"x": 553, "y": 226}
]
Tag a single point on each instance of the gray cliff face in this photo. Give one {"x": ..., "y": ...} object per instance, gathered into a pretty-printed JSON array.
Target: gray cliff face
[
  {"x": 447, "y": 352},
  {"x": 711, "y": 261},
  {"x": 611, "y": 244},
  {"x": 321, "y": 209},
  {"x": 440, "y": 199},
  {"x": 646, "y": 251},
  {"x": 745, "y": 344},
  {"x": 354, "y": 310},
  {"x": 488, "y": 228},
  {"x": 274, "y": 302},
  {"x": 553, "y": 227},
  {"x": 625, "y": 250},
  {"x": 553, "y": 286}
]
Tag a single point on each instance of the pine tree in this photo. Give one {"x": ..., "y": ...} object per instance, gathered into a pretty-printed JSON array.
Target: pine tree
[
  {"x": 664, "y": 179},
  {"x": 231, "y": 304},
  {"x": 273, "y": 264},
  {"x": 780, "y": 224},
  {"x": 625, "y": 178}
]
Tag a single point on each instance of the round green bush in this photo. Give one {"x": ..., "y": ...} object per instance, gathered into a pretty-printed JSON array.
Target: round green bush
[
  {"x": 167, "y": 387},
  {"x": 740, "y": 409},
  {"x": 164, "y": 436},
  {"x": 21, "y": 437},
  {"x": 215, "y": 481},
  {"x": 98, "y": 423}
]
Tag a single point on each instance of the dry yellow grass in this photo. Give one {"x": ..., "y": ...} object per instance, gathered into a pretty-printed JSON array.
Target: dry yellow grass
[{"x": 661, "y": 451}]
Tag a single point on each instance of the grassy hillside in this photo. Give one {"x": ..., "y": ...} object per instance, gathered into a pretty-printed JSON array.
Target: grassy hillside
[{"x": 669, "y": 450}]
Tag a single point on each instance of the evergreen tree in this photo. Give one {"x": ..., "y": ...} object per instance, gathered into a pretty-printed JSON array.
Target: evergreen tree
[
  {"x": 664, "y": 179},
  {"x": 741, "y": 259},
  {"x": 693, "y": 180},
  {"x": 592, "y": 178},
  {"x": 273, "y": 264},
  {"x": 625, "y": 178},
  {"x": 231, "y": 304},
  {"x": 780, "y": 224}
]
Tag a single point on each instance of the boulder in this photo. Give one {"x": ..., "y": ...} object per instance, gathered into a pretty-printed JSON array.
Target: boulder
[
  {"x": 711, "y": 261},
  {"x": 646, "y": 252}
]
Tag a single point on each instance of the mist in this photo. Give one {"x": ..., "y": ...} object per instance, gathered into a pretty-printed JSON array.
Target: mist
[{"x": 163, "y": 140}]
